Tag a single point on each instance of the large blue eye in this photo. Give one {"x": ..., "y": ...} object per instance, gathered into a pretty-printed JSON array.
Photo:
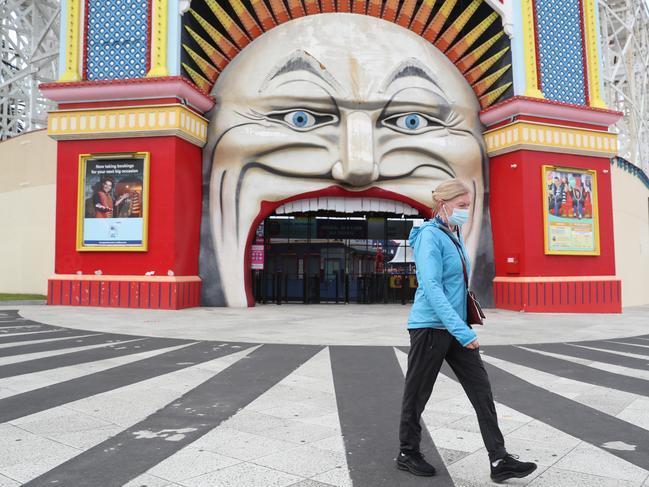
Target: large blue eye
[
  {"x": 300, "y": 119},
  {"x": 412, "y": 121}
]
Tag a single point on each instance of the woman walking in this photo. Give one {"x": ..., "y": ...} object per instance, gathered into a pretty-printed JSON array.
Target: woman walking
[{"x": 439, "y": 331}]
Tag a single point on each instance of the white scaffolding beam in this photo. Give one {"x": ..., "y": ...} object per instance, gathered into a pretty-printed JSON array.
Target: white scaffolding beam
[
  {"x": 29, "y": 49},
  {"x": 625, "y": 58}
]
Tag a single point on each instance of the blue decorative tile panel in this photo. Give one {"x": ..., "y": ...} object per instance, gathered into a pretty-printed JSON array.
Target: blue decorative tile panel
[
  {"x": 117, "y": 39},
  {"x": 560, "y": 47}
]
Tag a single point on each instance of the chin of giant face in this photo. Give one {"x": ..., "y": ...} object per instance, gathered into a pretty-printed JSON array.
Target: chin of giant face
[{"x": 342, "y": 110}]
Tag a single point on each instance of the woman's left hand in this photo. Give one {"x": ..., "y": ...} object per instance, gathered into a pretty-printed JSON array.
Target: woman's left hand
[{"x": 474, "y": 345}]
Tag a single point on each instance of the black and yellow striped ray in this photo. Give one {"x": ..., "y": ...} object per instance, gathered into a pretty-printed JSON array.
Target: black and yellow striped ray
[{"x": 467, "y": 31}]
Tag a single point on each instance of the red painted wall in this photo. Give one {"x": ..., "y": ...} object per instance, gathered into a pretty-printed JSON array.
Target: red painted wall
[
  {"x": 517, "y": 197},
  {"x": 174, "y": 209}
]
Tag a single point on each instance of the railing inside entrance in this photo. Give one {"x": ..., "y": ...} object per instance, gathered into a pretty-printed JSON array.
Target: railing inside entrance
[{"x": 338, "y": 287}]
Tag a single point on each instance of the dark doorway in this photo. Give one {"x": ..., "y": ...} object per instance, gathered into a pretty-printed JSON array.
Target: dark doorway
[{"x": 323, "y": 257}]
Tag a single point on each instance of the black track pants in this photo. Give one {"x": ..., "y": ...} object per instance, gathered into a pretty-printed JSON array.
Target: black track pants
[{"x": 428, "y": 349}]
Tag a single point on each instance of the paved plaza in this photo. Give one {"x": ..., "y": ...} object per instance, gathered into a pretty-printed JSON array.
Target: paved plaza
[{"x": 308, "y": 396}]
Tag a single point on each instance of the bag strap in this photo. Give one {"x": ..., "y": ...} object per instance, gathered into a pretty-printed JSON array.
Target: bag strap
[{"x": 459, "y": 249}]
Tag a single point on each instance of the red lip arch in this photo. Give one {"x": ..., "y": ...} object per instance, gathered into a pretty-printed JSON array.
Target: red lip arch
[{"x": 268, "y": 207}]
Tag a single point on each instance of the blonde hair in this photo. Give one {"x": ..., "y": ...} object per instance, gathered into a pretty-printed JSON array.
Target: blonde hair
[{"x": 447, "y": 190}]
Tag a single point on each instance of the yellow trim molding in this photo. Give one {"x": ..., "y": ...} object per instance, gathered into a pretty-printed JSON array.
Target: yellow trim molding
[
  {"x": 72, "y": 42},
  {"x": 592, "y": 54},
  {"x": 159, "y": 36},
  {"x": 532, "y": 88},
  {"x": 550, "y": 138},
  {"x": 128, "y": 122}
]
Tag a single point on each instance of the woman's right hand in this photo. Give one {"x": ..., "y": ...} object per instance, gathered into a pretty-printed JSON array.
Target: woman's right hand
[{"x": 474, "y": 345}]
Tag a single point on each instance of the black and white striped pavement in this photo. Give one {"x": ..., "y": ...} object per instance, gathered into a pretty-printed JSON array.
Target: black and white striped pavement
[{"x": 81, "y": 408}]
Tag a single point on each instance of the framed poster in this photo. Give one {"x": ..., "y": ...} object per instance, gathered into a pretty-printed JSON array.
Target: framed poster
[
  {"x": 113, "y": 202},
  {"x": 571, "y": 221}
]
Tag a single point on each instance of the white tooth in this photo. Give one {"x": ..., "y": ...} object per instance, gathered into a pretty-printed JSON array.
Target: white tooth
[
  {"x": 365, "y": 204},
  {"x": 375, "y": 205},
  {"x": 411, "y": 210},
  {"x": 340, "y": 204},
  {"x": 313, "y": 204},
  {"x": 281, "y": 210},
  {"x": 398, "y": 207},
  {"x": 329, "y": 204},
  {"x": 353, "y": 204},
  {"x": 386, "y": 206}
]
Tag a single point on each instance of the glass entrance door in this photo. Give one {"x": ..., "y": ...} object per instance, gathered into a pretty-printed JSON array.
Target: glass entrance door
[{"x": 336, "y": 259}]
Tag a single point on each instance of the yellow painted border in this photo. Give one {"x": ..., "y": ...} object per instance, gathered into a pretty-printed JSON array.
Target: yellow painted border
[
  {"x": 139, "y": 121},
  {"x": 592, "y": 54},
  {"x": 549, "y": 138},
  {"x": 72, "y": 42},
  {"x": 83, "y": 158},
  {"x": 532, "y": 87},
  {"x": 546, "y": 209},
  {"x": 159, "y": 39}
]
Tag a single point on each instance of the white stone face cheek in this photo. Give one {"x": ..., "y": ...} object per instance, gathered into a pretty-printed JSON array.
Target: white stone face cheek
[
  {"x": 452, "y": 154},
  {"x": 254, "y": 133},
  {"x": 357, "y": 165},
  {"x": 227, "y": 242},
  {"x": 244, "y": 164}
]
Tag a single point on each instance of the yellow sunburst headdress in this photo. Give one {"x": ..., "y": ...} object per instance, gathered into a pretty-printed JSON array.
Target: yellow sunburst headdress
[{"x": 467, "y": 32}]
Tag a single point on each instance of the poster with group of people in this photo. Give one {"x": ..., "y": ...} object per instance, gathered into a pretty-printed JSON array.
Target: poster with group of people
[
  {"x": 113, "y": 202},
  {"x": 571, "y": 220}
]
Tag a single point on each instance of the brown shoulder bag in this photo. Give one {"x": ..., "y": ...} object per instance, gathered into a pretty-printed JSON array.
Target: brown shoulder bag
[{"x": 474, "y": 313}]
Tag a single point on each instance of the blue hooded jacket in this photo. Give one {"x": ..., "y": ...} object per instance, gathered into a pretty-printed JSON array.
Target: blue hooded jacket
[{"x": 440, "y": 300}]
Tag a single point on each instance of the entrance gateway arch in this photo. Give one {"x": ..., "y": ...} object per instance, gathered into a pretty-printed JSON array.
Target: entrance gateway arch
[
  {"x": 335, "y": 122},
  {"x": 283, "y": 150}
]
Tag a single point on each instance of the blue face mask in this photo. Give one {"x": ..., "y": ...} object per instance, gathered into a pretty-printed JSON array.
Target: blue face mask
[{"x": 458, "y": 217}]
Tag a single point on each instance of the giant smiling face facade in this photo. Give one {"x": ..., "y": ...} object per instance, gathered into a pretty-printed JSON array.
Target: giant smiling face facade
[{"x": 327, "y": 105}]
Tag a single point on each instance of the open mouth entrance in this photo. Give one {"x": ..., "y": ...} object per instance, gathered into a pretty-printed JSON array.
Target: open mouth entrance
[{"x": 335, "y": 250}]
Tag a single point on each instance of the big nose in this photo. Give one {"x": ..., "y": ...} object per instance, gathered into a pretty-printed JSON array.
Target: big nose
[{"x": 357, "y": 165}]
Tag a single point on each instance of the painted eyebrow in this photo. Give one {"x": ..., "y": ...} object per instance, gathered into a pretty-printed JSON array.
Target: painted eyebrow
[
  {"x": 411, "y": 68},
  {"x": 302, "y": 61}
]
